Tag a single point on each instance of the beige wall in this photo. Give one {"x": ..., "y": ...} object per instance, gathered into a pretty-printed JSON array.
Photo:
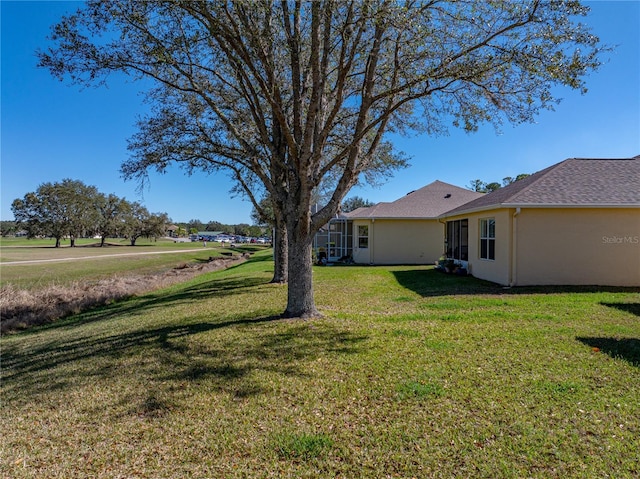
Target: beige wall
[
  {"x": 578, "y": 246},
  {"x": 492, "y": 270},
  {"x": 496, "y": 270},
  {"x": 562, "y": 246},
  {"x": 400, "y": 242}
]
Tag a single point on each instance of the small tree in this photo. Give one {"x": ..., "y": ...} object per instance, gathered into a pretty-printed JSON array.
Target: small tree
[
  {"x": 135, "y": 220},
  {"x": 194, "y": 226},
  {"x": 509, "y": 179},
  {"x": 157, "y": 225},
  {"x": 493, "y": 186},
  {"x": 111, "y": 211},
  {"x": 354, "y": 203},
  {"x": 478, "y": 186},
  {"x": 264, "y": 214}
]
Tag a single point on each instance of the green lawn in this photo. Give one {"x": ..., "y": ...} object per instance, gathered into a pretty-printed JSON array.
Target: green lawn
[
  {"x": 147, "y": 257},
  {"x": 411, "y": 373}
]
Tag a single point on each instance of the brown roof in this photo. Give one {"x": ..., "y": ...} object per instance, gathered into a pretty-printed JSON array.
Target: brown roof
[
  {"x": 430, "y": 201},
  {"x": 576, "y": 182}
]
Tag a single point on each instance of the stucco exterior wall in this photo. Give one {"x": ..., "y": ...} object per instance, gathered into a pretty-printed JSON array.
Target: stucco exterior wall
[
  {"x": 578, "y": 246},
  {"x": 400, "y": 242},
  {"x": 559, "y": 246},
  {"x": 496, "y": 270}
]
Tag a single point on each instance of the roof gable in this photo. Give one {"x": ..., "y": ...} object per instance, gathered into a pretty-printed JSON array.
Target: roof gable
[
  {"x": 575, "y": 182},
  {"x": 427, "y": 202}
]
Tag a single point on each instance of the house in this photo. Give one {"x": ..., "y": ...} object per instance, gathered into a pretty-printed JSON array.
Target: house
[
  {"x": 574, "y": 223},
  {"x": 405, "y": 231}
]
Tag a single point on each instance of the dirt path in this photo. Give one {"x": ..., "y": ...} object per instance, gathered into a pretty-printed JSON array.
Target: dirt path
[{"x": 54, "y": 260}]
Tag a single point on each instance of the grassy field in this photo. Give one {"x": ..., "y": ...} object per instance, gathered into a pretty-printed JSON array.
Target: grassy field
[
  {"x": 411, "y": 373},
  {"x": 147, "y": 257}
]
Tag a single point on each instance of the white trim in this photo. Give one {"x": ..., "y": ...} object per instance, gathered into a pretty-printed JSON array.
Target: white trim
[{"x": 487, "y": 238}]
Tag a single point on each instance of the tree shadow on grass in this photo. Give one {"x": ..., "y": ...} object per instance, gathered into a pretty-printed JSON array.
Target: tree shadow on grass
[
  {"x": 167, "y": 357},
  {"x": 625, "y": 348},
  {"x": 633, "y": 308},
  {"x": 431, "y": 282}
]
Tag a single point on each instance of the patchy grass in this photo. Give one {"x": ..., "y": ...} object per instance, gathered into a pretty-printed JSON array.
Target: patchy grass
[
  {"x": 410, "y": 374},
  {"x": 301, "y": 446}
]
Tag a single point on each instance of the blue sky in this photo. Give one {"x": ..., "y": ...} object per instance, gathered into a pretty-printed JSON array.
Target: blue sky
[{"x": 51, "y": 131}]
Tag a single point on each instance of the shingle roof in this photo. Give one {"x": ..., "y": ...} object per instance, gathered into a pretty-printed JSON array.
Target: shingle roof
[
  {"x": 575, "y": 182},
  {"x": 429, "y": 201}
]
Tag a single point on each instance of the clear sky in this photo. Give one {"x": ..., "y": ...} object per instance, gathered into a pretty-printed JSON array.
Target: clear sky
[{"x": 51, "y": 131}]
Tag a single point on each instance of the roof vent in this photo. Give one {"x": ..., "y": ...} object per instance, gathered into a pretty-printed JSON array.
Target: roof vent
[{"x": 448, "y": 195}]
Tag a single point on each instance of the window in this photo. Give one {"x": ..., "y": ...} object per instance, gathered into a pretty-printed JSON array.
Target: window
[
  {"x": 488, "y": 238},
  {"x": 457, "y": 241},
  {"x": 363, "y": 236}
]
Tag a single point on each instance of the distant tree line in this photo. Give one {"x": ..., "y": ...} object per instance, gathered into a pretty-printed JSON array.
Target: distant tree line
[
  {"x": 241, "y": 229},
  {"x": 484, "y": 187},
  {"x": 71, "y": 209}
]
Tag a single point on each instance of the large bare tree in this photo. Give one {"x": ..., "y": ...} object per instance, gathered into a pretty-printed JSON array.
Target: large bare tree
[{"x": 284, "y": 94}]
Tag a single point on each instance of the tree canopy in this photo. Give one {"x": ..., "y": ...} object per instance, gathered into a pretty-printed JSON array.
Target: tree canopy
[
  {"x": 485, "y": 187},
  {"x": 284, "y": 96},
  {"x": 57, "y": 210},
  {"x": 72, "y": 209},
  {"x": 355, "y": 202}
]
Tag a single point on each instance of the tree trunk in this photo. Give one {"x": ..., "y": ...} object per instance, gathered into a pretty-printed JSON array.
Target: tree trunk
[
  {"x": 102, "y": 238},
  {"x": 280, "y": 268},
  {"x": 72, "y": 240},
  {"x": 300, "y": 299},
  {"x": 57, "y": 242}
]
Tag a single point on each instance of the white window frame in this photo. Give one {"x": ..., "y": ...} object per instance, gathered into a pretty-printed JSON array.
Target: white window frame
[
  {"x": 488, "y": 235},
  {"x": 363, "y": 229}
]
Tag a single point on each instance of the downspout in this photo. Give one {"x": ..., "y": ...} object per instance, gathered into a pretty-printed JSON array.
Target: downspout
[
  {"x": 444, "y": 235},
  {"x": 371, "y": 250},
  {"x": 514, "y": 250}
]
